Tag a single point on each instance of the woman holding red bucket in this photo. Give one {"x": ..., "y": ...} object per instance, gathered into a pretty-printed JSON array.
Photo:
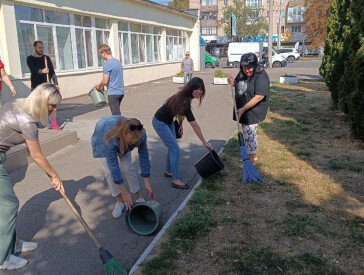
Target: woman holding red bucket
[
  {"x": 178, "y": 105},
  {"x": 113, "y": 140}
]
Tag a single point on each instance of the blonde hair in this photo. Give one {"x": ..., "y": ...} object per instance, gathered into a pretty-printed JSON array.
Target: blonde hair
[
  {"x": 121, "y": 130},
  {"x": 105, "y": 48},
  {"x": 36, "y": 104}
]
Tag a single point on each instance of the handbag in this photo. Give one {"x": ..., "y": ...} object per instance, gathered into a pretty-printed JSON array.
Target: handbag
[{"x": 176, "y": 128}]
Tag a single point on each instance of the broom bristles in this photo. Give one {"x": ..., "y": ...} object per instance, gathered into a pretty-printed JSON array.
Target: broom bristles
[
  {"x": 113, "y": 267},
  {"x": 250, "y": 174}
]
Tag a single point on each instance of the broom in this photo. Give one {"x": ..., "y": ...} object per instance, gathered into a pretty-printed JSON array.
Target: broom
[
  {"x": 250, "y": 174},
  {"x": 111, "y": 265}
]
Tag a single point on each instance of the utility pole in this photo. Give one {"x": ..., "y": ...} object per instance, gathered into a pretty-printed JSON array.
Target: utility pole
[
  {"x": 279, "y": 26},
  {"x": 270, "y": 33}
]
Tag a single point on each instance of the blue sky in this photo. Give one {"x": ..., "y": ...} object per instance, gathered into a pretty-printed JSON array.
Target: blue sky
[{"x": 163, "y": 2}]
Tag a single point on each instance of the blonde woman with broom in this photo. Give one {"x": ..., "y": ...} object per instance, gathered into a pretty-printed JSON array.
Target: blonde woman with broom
[
  {"x": 113, "y": 140},
  {"x": 19, "y": 124}
]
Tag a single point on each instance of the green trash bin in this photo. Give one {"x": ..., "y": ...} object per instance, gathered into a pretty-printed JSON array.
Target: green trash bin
[
  {"x": 98, "y": 97},
  {"x": 144, "y": 217}
]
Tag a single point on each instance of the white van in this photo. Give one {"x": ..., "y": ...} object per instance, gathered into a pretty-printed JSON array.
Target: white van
[{"x": 237, "y": 49}]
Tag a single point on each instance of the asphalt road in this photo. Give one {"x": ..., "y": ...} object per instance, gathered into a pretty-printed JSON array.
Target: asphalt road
[{"x": 64, "y": 247}]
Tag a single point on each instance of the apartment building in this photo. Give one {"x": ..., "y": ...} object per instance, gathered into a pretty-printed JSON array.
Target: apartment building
[{"x": 287, "y": 16}]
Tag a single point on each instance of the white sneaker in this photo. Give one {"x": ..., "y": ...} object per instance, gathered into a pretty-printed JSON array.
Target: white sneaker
[
  {"x": 14, "y": 262},
  {"x": 118, "y": 210},
  {"x": 25, "y": 246},
  {"x": 141, "y": 199}
]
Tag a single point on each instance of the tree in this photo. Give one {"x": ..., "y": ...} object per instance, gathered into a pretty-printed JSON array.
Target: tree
[
  {"x": 179, "y": 4},
  {"x": 316, "y": 16},
  {"x": 247, "y": 24}
]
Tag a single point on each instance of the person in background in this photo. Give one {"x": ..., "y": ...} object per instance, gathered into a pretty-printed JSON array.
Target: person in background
[
  {"x": 4, "y": 77},
  {"x": 179, "y": 106},
  {"x": 38, "y": 75},
  {"x": 187, "y": 67},
  {"x": 251, "y": 95},
  {"x": 113, "y": 140},
  {"x": 19, "y": 124},
  {"x": 112, "y": 78},
  {"x": 265, "y": 58}
]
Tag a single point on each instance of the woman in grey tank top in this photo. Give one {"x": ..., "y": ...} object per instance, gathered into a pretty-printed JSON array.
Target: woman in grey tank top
[{"x": 18, "y": 124}]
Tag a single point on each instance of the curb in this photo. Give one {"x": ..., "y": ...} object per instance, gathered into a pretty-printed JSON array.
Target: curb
[
  {"x": 50, "y": 142},
  {"x": 150, "y": 247}
]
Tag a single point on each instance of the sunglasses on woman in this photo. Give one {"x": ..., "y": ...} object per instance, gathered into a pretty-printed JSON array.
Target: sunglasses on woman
[{"x": 136, "y": 127}]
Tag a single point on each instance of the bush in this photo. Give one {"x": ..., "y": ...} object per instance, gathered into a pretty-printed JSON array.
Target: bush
[
  {"x": 342, "y": 65},
  {"x": 180, "y": 74},
  {"x": 220, "y": 74}
]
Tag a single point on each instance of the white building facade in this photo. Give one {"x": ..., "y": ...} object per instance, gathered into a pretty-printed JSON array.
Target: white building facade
[{"x": 149, "y": 40}]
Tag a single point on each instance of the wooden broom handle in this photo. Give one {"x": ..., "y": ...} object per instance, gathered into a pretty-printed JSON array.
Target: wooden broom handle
[
  {"x": 46, "y": 65},
  {"x": 81, "y": 220},
  {"x": 233, "y": 96}
]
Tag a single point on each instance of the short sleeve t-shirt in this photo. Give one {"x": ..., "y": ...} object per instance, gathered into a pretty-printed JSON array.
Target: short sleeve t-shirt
[
  {"x": 1, "y": 66},
  {"x": 15, "y": 127},
  {"x": 114, "y": 69},
  {"x": 164, "y": 114},
  {"x": 245, "y": 90}
]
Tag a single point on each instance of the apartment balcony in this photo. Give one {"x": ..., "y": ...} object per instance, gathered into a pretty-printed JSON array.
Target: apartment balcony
[{"x": 292, "y": 19}]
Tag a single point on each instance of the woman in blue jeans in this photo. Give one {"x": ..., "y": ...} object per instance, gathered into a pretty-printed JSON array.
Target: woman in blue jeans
[{"x": 179, "y": 106}]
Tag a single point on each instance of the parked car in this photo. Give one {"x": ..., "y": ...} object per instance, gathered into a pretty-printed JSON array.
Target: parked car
[
  {"x": 291, "y": 54},
  {"x": 211, "y": 61}
]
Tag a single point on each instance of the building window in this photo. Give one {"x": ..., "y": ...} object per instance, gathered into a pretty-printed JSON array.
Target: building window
[
  {"x": 72, "y": 40},
  {"x": 283, "y": 14},
  {"x": 102, "y": 29},
  {"x": 209, "y": 2},
  {"x": 208, "y": 30},
  {"x": 206, "y": 16},
  {"x": 139, "y": 43},
  {"x": 84, "y": 49},
  {"x": 254, "y": 4},
  {"x": 50, "y": 27},
  {"x": 176, "y": 44},
  {"x": 296, "y": 28},
  {"x": 295, "y": 14},
  {"x": 226, "y": 2}
]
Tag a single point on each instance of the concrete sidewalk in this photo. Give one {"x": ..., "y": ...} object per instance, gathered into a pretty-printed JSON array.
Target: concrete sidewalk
[{"x": 64, "y": 247}]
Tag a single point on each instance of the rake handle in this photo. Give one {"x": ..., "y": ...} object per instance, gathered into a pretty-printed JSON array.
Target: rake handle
[
  {"x": 46, "y": 65},
  {"x": 80, "y": 219}
]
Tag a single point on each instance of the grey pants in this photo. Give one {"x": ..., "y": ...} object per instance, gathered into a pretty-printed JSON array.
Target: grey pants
[
  {"x": 114, "y": 103},
  {"x": 9, "y": 204}
]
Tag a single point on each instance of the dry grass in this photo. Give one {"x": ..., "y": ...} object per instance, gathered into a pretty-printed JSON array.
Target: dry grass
[{"x": 308, "y": 218}]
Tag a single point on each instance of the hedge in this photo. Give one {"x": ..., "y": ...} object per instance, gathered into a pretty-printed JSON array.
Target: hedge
[{"x": 343, "y": 61}]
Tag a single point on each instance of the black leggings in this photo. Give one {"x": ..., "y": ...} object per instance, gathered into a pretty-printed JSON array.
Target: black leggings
[{"x": 114, "y": 103}]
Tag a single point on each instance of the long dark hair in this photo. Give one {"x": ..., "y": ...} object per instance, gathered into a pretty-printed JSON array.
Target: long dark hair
[
  {"x": 249, "y": 60},
  {"x": 178, "y": 102}
]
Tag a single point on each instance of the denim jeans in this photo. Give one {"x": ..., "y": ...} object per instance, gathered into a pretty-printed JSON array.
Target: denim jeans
[
  {"x": 187, "y": 77},
  {"x": 168, "y": 135}
]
